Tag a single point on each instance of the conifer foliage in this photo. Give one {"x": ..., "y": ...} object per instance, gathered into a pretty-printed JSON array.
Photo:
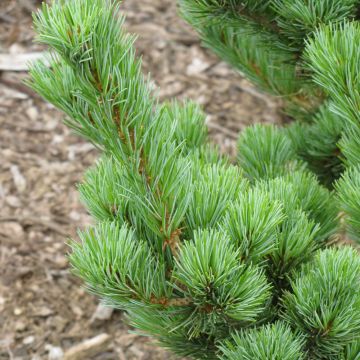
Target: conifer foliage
[
  {"x": 212, "y": 259},
  {"x": 306, "y": 52}
]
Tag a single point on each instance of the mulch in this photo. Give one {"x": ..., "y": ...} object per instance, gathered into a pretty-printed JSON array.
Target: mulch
[{"x": 44, "y": 311}]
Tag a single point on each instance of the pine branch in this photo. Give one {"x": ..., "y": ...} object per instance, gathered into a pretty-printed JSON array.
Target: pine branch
[
  {"x": 269, "y": 342},
  {"x": 215, "y": 260},
  {"x": 349, "y": 196},
  {"x": 316, "y": 309}
]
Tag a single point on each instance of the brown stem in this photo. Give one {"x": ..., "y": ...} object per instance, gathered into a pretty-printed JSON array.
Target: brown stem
[{"x": 171, "y": 302}]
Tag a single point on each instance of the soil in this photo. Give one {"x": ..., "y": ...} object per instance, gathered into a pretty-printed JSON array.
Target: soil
[{"x": 44, "y": 311}]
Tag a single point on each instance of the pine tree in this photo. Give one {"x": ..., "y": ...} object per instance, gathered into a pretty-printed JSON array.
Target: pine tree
[
  {"x": 306, "y": 52},
  {"x": 212, "y": 259}
]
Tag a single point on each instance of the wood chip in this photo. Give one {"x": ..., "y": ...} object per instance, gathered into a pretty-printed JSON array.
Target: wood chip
[
  {"x": 55, "y": 352},
  {"x": 20, "y": 62},
  {"x": 102, "y": 313},
  {"x": 19, "y": 179},
  {"x": 88, "y": 348},
  {"x": 36, "y": 221},
  {"x": 12, "y": 230}
]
